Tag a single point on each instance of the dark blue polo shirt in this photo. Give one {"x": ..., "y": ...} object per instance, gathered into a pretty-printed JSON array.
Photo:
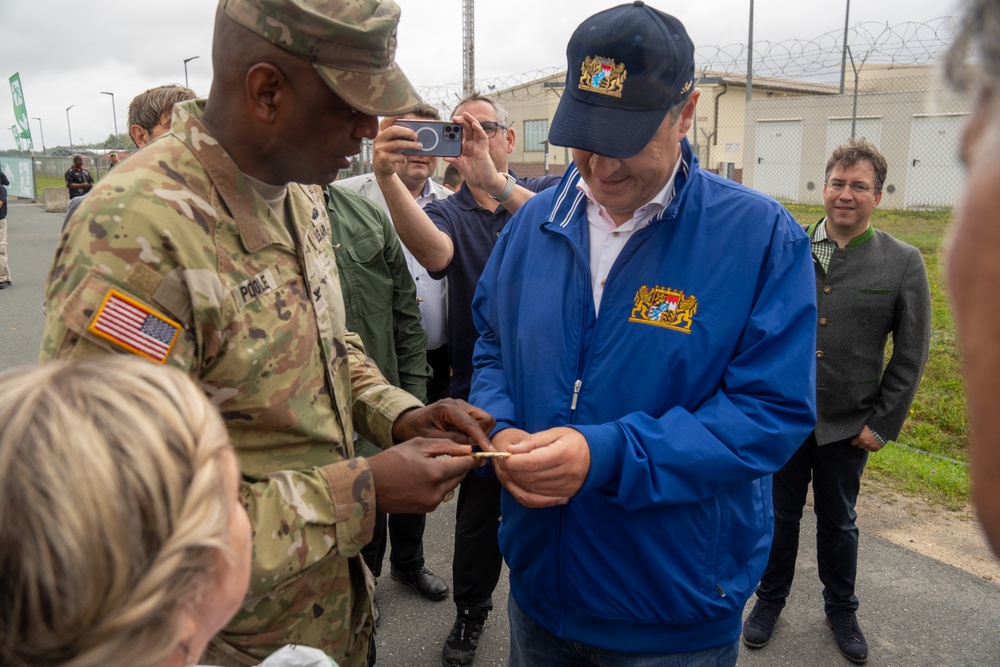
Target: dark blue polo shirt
[{"x": 473, "y": 231}]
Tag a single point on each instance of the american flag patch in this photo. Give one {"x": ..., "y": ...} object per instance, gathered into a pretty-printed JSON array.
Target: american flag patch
[{"x": 135, "y": 327}]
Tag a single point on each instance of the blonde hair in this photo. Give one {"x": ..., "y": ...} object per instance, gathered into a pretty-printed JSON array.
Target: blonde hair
[{"x": 113, "y": 513}]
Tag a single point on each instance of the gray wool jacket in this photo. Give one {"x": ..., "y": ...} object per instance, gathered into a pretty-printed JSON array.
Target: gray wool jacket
[{"x": 874, "y": 287}]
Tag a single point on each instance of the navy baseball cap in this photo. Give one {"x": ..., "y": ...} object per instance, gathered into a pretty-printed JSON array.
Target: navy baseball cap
[{"x": 626, "y": 67}]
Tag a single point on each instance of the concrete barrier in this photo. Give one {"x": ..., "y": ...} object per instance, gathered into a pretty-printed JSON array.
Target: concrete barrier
[{"x": 56, "y": 200}]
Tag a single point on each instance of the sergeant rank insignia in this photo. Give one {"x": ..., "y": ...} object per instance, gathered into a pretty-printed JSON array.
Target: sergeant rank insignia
[
  {"x": 602, "y": 75},
  {"x": 135, "y": 327},
  {"x": 664, "y": 307}
]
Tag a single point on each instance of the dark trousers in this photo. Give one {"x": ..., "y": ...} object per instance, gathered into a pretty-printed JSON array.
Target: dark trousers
[
  {"x": 477, "y": 560},
  {"x": 532, "y": 645},
  {"x": 407, "y": 534},
  {"x": 406, "y": 531},
  {"x": 835, "y": 470},
  {"x": 439, "y": 386}
]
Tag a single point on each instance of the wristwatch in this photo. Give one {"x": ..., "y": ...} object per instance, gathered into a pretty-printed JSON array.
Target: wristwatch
[{"x": 508, "y": 189}]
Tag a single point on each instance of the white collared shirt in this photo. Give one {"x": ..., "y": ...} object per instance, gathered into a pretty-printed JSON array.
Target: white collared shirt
[
  {"x": 431, "y": 294},
  {"x": 607, "y": 238}
]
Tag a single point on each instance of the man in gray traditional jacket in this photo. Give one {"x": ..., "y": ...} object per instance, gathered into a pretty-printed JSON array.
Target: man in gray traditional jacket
[{"x": 868, "y": 285}]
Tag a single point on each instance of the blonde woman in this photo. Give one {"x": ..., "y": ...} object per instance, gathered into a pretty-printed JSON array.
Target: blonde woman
[{"x": 123, "y": 541}]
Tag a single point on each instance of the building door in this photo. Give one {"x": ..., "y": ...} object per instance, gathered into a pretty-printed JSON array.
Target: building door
[
  {"x": 838, "y": 131},
  {"x": 779, "y": 151},
  {"x": 934, "y": 174}
]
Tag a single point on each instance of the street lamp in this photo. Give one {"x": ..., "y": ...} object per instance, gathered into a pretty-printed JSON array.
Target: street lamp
[
  {"x": 41, "y": 132},
  {"x": 114, "y": 115},
  {"x": 186, "y": 61},
  {"x": 68, "y": 130}
]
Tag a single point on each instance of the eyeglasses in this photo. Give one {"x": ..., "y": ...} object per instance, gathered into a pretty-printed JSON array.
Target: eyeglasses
[
  {"x": 490, "y": 127},
  {"x": 860, "y": 188}
]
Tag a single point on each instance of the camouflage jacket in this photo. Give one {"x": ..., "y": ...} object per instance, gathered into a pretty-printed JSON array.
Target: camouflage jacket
[{"x": 175, "y": 243}]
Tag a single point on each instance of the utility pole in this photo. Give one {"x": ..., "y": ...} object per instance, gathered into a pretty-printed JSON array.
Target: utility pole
[
  {"x": 469, "y": 44},
  {"x": 750, "y": 56},
  {"x": 843, "y": 57}
]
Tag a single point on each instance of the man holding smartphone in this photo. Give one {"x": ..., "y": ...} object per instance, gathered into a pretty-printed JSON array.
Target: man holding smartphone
[{"x": 454, "y": 237}]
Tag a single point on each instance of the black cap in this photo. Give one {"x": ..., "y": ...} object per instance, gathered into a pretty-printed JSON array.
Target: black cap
[{"x": 627, "y": 66}]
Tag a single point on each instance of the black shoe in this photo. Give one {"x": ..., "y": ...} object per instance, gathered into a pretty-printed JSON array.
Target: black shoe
[
  {"x": 422, "y": 581},
  {"x": 850, "y": 640},
  {"x": 378, "y": 615},
  {"x": 4, "y": 284},
  {"x": 759, "y": 626},
  {"x": 460, "y": 646}
]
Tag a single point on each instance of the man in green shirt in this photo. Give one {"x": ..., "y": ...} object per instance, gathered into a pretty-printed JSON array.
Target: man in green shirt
[{"x": 380, "y": 299}]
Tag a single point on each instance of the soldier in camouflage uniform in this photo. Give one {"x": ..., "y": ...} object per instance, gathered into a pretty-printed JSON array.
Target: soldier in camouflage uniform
[{"x": 201, "y": 252}]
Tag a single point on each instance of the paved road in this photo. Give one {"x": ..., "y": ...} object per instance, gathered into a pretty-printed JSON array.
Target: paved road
[{"x": 917, "y": 612}]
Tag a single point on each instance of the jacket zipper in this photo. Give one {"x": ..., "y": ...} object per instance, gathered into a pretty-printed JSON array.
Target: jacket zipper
[{"x": 576, "y": 394}]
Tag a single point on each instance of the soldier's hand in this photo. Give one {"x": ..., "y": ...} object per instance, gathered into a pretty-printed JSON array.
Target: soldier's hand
[
  {"x": 409, "y": 478},
  {"x": 448, "y": 418}
]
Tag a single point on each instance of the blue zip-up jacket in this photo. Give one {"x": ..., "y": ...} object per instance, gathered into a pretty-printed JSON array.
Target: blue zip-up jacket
[{"x": 696, "y": 383}]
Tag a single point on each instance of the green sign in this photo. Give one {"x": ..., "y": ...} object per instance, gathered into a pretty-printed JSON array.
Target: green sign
[
  {"x": 22, "y": 131},
  {"x": 20, "y": 174}
]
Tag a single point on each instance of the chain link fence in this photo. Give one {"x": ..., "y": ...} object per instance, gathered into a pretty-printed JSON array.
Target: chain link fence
[{"x": 807, "y": 96}]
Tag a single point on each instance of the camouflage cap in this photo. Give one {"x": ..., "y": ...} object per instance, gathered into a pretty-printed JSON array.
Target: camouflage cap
[{"x": 351, "y": 43}]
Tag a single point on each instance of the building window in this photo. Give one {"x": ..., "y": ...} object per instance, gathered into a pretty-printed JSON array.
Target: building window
[{"x": 536, "y": 133}]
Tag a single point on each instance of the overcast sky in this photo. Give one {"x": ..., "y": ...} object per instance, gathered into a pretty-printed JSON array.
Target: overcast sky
[{"x": 68, "y": 53}]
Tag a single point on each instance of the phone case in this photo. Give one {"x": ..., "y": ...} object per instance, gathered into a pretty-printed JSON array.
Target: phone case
[{"x": 441, "y": 138}]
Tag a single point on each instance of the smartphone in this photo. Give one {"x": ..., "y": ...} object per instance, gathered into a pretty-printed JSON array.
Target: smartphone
[{"x": 441, "y": 138}]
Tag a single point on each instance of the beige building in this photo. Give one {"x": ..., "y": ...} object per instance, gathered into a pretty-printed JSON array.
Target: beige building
[{"x": 779, "y": 141}]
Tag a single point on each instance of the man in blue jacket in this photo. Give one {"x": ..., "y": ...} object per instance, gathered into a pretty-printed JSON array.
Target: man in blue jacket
[{"x": 646, "y": 345}]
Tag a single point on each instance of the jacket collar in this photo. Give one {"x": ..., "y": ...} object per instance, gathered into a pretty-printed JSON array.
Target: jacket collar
[
  {"x": 247, "y": 208},
  {"x": 570, "y": 203},
  {"x": 863, "y": 237}
]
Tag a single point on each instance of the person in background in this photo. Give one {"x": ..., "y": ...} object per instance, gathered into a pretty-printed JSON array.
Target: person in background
[
  {"x": 405, "y": 531},
  {"x": 646, "y": 378},
  {"x": 112, "y": 160},
  {"x": 972, "y": 266},
  {"x": 146, "y": 555},
  {"x": 869, "y": 286},
  {"x": 78, "y": 180},
  {"x": 223, "y": 267},
  {"x": 453, "y": 178},
  {"x": 149, "y": 112},
  {"x": 5, "y": 281},
  {"x": 148, "y": 118},
  {"x": 453, "y": 238}
]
